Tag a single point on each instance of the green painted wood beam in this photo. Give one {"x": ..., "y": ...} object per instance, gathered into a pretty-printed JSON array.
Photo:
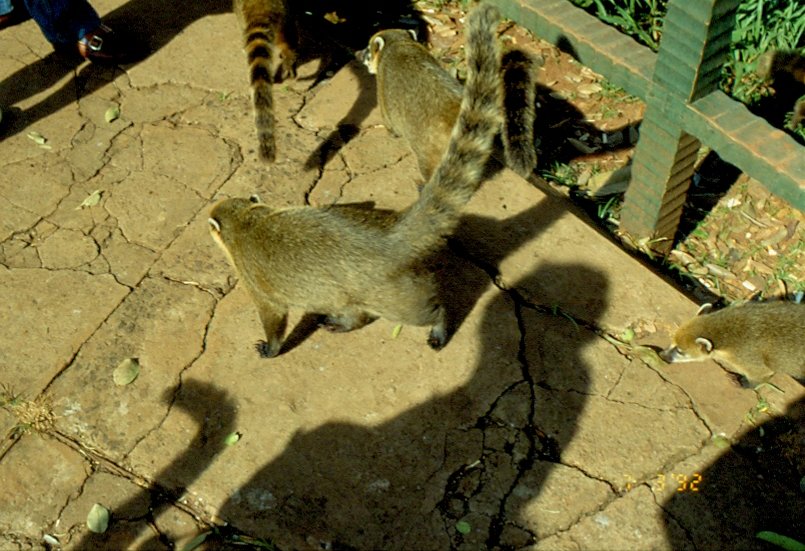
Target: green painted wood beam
[{"x": 684, "y": 106}]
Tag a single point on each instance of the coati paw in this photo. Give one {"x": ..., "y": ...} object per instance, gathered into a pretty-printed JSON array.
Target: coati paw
[
  {"x": 437, "y": 338},
  {"x": 266, "y": 349}
]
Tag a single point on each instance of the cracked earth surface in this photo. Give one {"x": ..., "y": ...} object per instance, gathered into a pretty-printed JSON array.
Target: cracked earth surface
[{"x": 538, "y": 426}]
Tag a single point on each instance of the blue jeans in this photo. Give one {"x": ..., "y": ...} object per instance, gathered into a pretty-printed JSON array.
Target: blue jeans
[{"x": 63, "y": 22}]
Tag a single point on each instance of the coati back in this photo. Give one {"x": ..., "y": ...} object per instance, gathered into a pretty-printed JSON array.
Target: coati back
[
  {"x": 420, "y": 100},
  {"x": 756, "y": 339},
  {"x": 270, "y": 42},
  {"x": 353, "y": 268}
]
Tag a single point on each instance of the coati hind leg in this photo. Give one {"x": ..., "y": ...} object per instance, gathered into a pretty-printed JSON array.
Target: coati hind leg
[
  {"x": 438, "y": 337},
  {"x": 275, "y": 320},
  {"x": 346, "y": 321}
]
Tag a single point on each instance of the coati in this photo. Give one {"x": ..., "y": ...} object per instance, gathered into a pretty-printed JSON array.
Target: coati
[
  {"x": 787, "y": 69},
  {"x": 755, "y": 339},
  {"x": 270, "y": 42},
  {"x": 420, "y": 100},
  {"x": 351, "y": 268}
]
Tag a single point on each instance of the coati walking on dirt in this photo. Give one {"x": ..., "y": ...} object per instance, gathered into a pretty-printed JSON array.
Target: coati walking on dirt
[
  {"x": 328, "y": 262},
  {"x": 755, "y": 339},
  {"x": 270, "y": 42},
  {"x": 420, "y": 100}
]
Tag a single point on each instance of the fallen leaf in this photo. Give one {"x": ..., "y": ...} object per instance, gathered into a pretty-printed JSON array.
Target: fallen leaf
[
  {"x": 98, "y": 519},
  {"x": 333, "y": 18},
  {"x": 112, "y": 114},
  {"x": 231, "y": 438},
  {"x": 396, "y": 331},
  {"x": 463, "y": 527},
  {"x": 126, "y": 371},
  {"x": 91, "y": 200},
  {"x": 37, "y": 138},
  {"x": 721, "y": 442}
]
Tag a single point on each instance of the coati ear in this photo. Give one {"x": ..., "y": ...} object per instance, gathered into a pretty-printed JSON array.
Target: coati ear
[
  {"x": 412, "y": 32},
  {"x": 377, "y": 44},
  {"x": 704, "y": 308},
  {"x": 705, "y": 345},
  {"x": 254, "y": 198},
  {"x": 214, "y": 225}
]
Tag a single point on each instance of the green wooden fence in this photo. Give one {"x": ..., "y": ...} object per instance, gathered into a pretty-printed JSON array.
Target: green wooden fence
[{"x": 684, "y": 107}]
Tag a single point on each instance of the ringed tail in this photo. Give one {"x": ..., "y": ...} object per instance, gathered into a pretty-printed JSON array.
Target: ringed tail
[
  {"x": 259, "y": 47},
  {"x": 519, "y": 95},
  {"x": 460, "y": 172}
]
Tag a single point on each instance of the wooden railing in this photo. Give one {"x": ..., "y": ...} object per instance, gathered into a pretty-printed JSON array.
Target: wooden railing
[{"x": 684, "y": 107}]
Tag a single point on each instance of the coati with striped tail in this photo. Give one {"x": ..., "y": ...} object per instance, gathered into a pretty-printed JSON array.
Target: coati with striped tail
[
  {"x": 420, "y": 100},
  {"x": 328, "y": 262},
  {"x": 270, "y": 42}
]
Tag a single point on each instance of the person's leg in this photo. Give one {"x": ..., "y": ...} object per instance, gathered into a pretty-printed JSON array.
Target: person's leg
[{"x": 63, "y": 22}]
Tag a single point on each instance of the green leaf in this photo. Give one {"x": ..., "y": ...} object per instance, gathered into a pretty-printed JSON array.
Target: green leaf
[
  {"x": 396, "y": 331},
  {"x": 232, "y": 438},
  {"x": 112, "y": 114},
  {"x": 195, "y": 542},
  {"x": 721, "y": 442},
  {"x": 789, "y": 544},
  {"x": 98, "y": 519},
  {"x": 463, "y": 527},
  {"x": 126, "y": 371},
  {"x": 91, "y": 200},
  {"x": 37, "y": 138}
]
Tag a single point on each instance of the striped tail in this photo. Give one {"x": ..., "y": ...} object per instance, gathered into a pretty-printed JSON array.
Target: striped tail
[
  {"x": 519, "y": 95},
  {"x": 460, "y": 172},
  {"x": 259, "y": 48}
]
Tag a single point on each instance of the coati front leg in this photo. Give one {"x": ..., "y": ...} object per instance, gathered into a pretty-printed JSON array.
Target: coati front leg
[{"x": 275, "y": 320}]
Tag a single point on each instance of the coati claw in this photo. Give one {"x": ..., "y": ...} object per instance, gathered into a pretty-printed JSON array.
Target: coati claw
[{"x": 266, "y": 350}]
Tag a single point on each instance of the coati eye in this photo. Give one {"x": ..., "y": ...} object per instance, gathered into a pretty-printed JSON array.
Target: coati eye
[
  {"x": 254, "y": 198},
  {"x": 214, "y": 225}
]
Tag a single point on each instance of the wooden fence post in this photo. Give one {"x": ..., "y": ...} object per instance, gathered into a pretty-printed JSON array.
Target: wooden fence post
[{"x": 696, "y": 38}]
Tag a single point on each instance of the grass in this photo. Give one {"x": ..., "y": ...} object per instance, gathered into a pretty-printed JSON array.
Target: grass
[{"x": 760, "y": 26}]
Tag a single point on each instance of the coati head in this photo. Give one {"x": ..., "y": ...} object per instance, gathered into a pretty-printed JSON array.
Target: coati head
[
  {"x": 224, "y": 220},
  {"x": 370, "y": 56},
  {"x": 689, "y": 345}
]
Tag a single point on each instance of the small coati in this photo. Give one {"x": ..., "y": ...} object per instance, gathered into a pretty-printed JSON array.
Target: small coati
[
  {"x": 755, "y": 339},
  {"x": 420, "y": 100},
  {"x": 350, "y": 268},
  {"x": 270, "y": 42}
]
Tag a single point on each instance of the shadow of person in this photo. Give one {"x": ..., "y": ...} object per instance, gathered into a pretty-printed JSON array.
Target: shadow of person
[
  {"x": 215, "y": 414},
  {"x": 406, "y": 482},
  {"x": 753, "y": 486}
]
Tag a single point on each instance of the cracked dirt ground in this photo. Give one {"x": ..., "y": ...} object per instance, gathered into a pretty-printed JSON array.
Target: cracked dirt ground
[{"x": 534, "y": 427}]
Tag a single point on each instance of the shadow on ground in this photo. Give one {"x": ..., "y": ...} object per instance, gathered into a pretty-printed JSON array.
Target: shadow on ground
[
  {"x": 215, "y": 414},
  {"x": 752, "y": 487},
  {"x": 406, "y": 482}
]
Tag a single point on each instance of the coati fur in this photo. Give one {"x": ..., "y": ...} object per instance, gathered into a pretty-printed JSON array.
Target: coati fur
[
  {"x": 270, "y": 42},
  {"x": 350, "y": 267},
  {"x": 420, "y": 100},
  {"x": 756, "y": 339}
]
